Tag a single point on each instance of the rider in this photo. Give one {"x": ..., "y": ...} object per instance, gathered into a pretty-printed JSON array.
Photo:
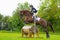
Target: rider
[{"x": 33, "y": 11}]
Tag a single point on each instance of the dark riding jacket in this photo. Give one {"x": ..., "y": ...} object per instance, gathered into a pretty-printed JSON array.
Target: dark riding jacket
[{"x": 33, "y": 10}]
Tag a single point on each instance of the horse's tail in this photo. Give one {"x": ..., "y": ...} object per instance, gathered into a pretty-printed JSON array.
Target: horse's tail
[{"x": 50, "y": 25}]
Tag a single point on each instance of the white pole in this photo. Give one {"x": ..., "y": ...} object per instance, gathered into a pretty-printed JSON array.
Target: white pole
[{"x": 34, "y": 25}]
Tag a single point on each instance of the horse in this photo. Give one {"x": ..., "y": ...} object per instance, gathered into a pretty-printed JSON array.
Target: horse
[
  {"x": 29, "y": 31},
  {"x": 29, "y": 19}
]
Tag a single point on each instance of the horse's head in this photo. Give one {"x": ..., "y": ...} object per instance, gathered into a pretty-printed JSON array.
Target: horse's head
[{"x": 25, "y": 12}]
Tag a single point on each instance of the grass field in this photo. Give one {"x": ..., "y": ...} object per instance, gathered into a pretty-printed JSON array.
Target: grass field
[{"x": 17, "y": 36}]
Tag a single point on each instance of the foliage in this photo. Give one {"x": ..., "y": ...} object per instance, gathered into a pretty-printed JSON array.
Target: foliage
[
  {"x": 1, "y": 16},
  {"x": 24, "y": 6},
  {"x": 15, "y": 22},
  {"x": 50, "y": 10}
]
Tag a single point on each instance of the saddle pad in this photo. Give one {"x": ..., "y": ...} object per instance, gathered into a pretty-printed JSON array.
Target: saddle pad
[{"x": 37, "y": 18}]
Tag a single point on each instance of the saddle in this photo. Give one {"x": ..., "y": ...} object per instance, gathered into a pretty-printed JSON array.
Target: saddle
[{"x": 36, "y": 18}]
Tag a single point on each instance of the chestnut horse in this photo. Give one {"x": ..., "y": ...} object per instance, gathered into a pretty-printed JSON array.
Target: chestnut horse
[{"x": 29, "y": 19}]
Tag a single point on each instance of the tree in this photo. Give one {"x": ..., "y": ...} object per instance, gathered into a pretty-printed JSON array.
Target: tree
[
  {"x": 50, "y": 11},
  {"x": 5, "y": 23},
  {"x": 1, "y": 17},
  {"x": 15, "y": 22},
  {"x": 24, "y": 6}
]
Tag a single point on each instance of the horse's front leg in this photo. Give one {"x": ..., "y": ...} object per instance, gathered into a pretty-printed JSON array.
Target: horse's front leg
[{"x": 25, "y": 22}]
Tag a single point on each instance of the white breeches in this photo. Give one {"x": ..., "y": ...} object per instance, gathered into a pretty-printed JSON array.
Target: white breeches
[{"x": 35, "y": 14}]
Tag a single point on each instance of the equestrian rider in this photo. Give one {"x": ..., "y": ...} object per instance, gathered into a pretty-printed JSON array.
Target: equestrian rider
[{"x": 33, "y": 11}]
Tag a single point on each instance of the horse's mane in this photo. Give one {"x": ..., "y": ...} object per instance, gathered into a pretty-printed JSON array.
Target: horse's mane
[{"x": 26, "y": 11}]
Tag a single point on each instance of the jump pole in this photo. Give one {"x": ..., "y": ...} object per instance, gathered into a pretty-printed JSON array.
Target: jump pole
[{"x": 34, "y": 25}]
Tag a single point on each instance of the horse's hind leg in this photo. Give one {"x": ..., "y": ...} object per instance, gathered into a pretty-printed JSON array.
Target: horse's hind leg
[
  {"x": 50, "y": 25},
  {"x": 44, "y": 25},
  {"x": 52, "y": 28},
  {"x": 47, "y": 34}
]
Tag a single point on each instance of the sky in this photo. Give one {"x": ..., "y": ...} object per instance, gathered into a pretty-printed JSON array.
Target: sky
[{"x": 8, "y": 6}]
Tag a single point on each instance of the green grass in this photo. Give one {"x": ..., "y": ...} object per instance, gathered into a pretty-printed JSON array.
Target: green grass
[{"x": 17, "y": 36}]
